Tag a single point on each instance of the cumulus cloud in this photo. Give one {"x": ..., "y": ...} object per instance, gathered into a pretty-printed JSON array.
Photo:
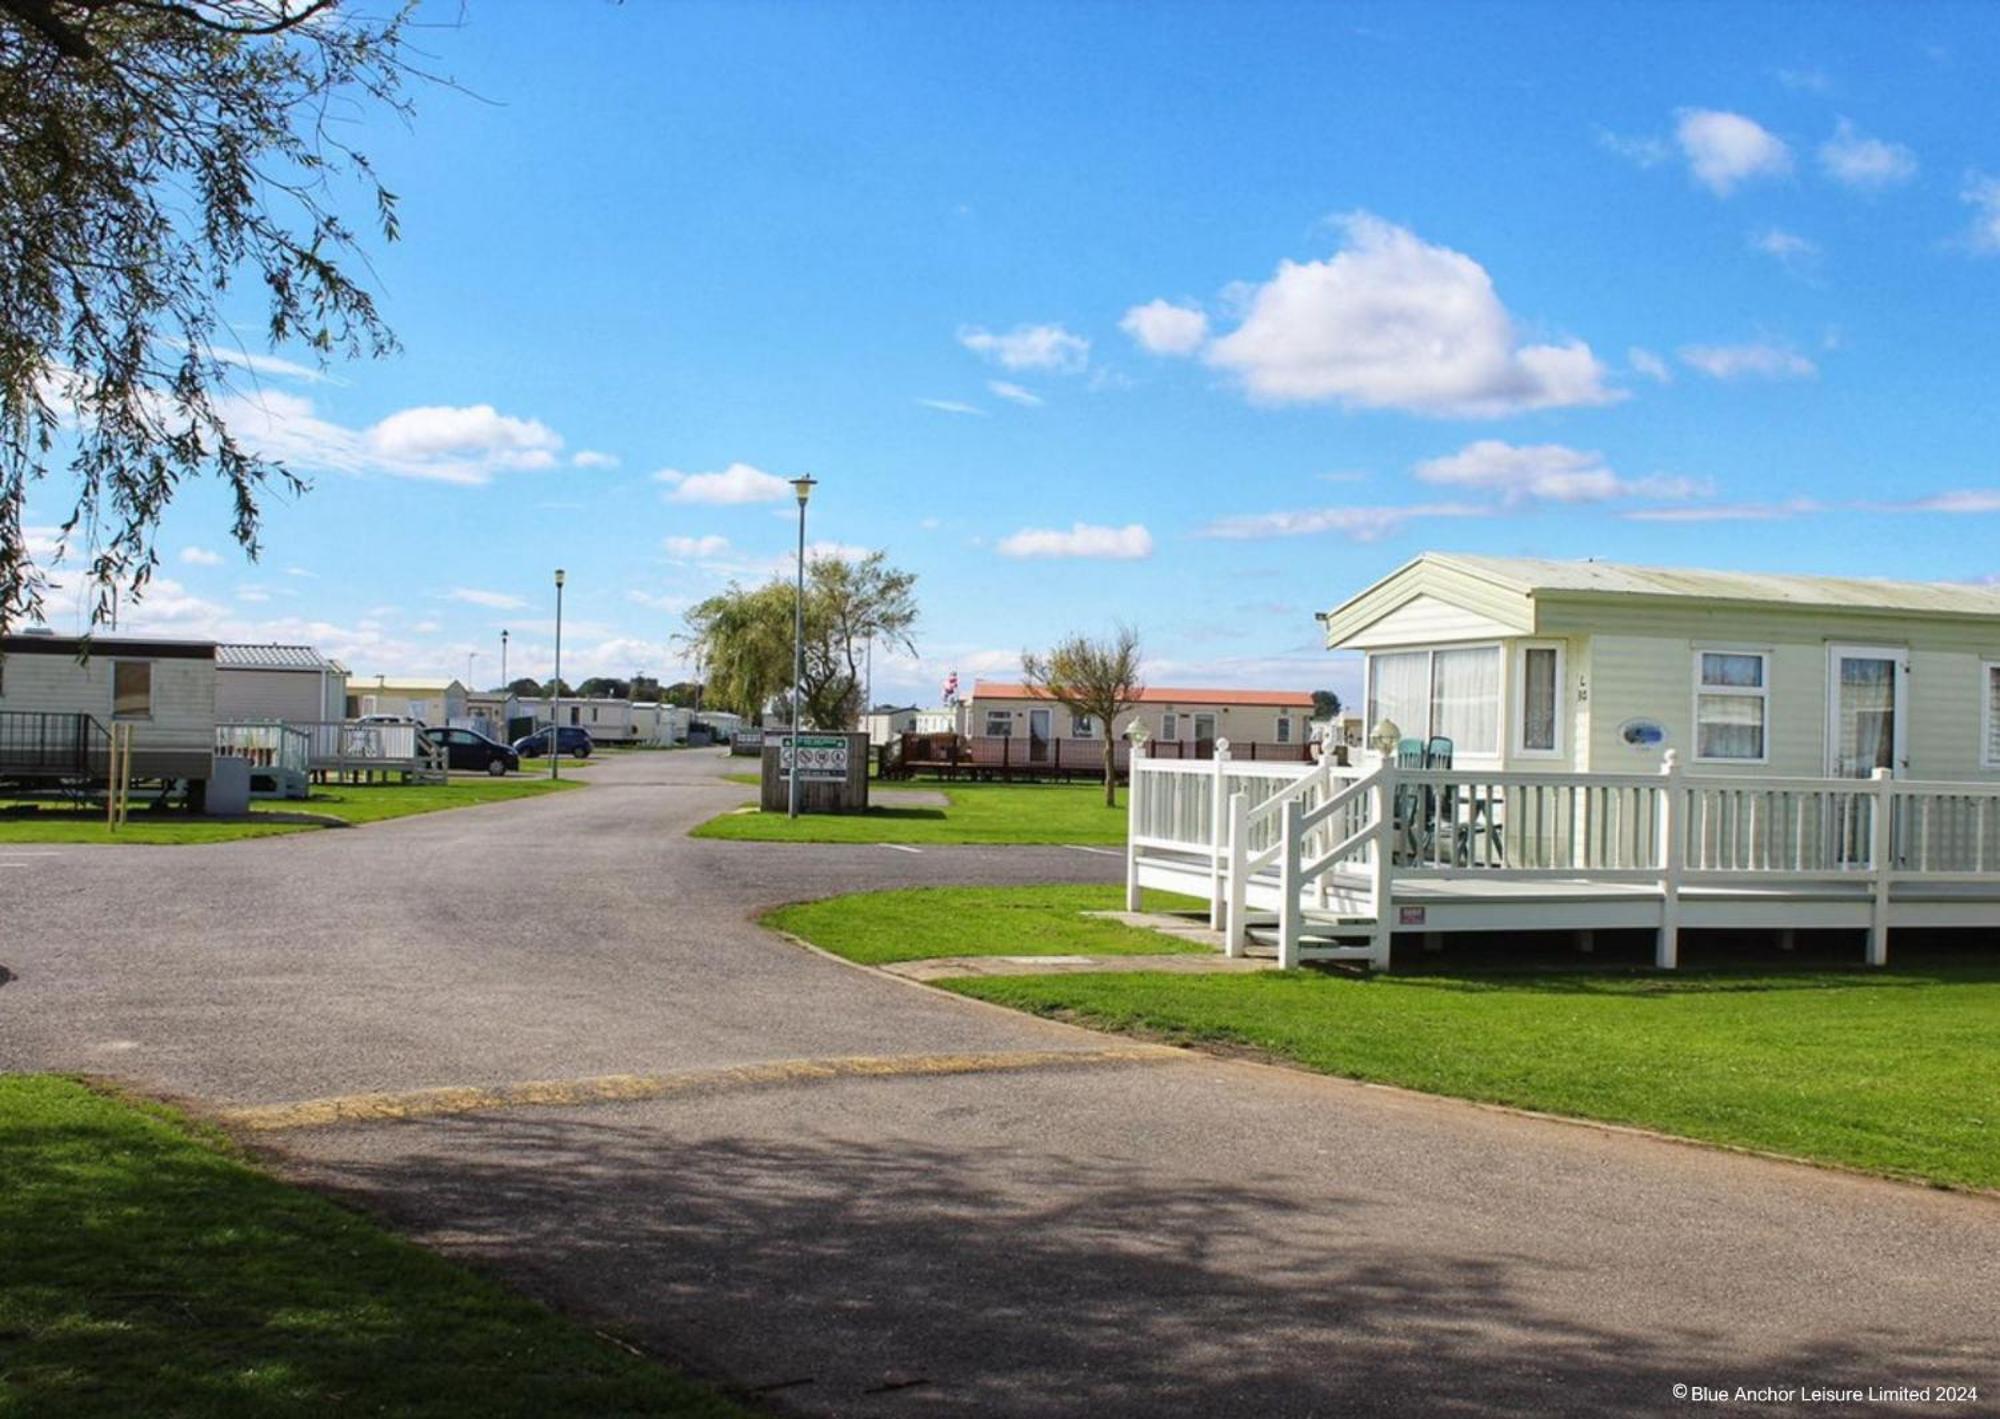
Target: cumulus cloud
[
  {"x": 1865, "y": 164},
  {"x": 1118, "y": 544},
  {"x": 1544, "y": 472},
  {"x": 1645, "y": 362},
  {"x": 1164, "y": 328},
  {"x": 1358, "y": 524},
  {"x": 1029, "y": 347},
  {"x": 1726, "y": 150},
  {"x": 696, "y": 548},
  {"x": 591, "y": 458},
  {"x": 200, "y": 557},
  {"x": 1982, "y": 194},
  {"x": 736, "y": 484},
  {"x": 1754, "y": 360},
  {"x": 497, "y": 600},
  {"x": 433, "y": 443},
  {"x": 1394, "y": 322},
  {"x": 1014, "y": 393}
]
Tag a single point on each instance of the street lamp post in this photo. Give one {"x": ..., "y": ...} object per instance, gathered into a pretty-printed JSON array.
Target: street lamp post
[
  {"x": 503, "y": 662},
  {"x": 555, "y": 690},
  {"x": 803, "y": 486},
  {"x": 470, "y": 656}
]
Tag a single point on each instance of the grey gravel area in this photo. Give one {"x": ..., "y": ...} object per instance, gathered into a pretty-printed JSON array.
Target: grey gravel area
[{"x": 1200, "y": 1237}]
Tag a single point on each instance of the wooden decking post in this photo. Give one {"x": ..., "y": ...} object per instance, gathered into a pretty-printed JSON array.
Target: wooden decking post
[
  {"x": 1291, "y": 922},
  {"x": 1236, "y": 929},
  {"x": 1673, "y": 859},
  {"x": 1218, "y": 841},
  {"x": 1881, "y": 848},
  {"x": 1382, "y": 862}
]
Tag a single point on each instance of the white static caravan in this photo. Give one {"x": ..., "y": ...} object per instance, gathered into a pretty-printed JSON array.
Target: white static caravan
[
  {"x": 164, "y": 689},
  {"x": 1589, "y": 666},
  {"x": 606, "y": 721},
  {"x": 887, "y": 723},
  {"x": 659, "y": 724},
  {"x": 491, "y": 712},
  {"x": 293, "y": 683},
  {"x": 439, "y": 702}
]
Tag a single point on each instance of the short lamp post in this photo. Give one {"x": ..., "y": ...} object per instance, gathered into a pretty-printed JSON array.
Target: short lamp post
[
  {"x": 555, "y": 690},
  {"x": 803, "y": 486}
]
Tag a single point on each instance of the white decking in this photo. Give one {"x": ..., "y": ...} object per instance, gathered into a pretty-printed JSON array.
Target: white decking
[{"x": 1331, "y": 863}]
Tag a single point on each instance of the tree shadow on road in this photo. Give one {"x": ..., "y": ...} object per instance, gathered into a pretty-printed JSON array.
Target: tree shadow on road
[{"x": 825, "y": 1275}]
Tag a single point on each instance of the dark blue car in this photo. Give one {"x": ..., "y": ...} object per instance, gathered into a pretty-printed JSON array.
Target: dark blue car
[{"x": 573, "y": 741}]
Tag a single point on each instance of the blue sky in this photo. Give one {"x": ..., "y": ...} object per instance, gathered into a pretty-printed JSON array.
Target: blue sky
[{"x": 1197, "y": 317}]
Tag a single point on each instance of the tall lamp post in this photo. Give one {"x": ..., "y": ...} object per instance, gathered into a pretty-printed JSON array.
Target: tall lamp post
[
  {"x": 555, "y": 690},
  {"x": 803, "y": 486},
  {"x": 503, "y": 660}
]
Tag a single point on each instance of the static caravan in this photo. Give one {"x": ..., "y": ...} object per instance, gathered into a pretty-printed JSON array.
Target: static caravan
[
  {"x": 1179, "y": 722},
  {"x": 887, "y": 723},
  {"x": 440, "y": 702},
  {"x": 1531, "y": 665},
  {"x": 606, "y": 721},
  {"x": 56, "y": 707},
  {"x": 293, "y": 683},
  {"x": 491, "y": 712}
]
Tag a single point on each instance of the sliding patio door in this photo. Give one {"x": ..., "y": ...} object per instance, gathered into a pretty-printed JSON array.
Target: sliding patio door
[{"x": 1867, "y": 713}]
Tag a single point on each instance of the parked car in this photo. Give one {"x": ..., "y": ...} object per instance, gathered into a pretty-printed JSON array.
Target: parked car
[
  {"x": 573, "y": 740},
  {"x": 469, "y": 749}
]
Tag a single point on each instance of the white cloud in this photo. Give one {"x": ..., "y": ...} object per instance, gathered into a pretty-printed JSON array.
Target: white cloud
[
  {"x": 738, "y": 483},
  {"x": 591, "y": 458},
  {"x": 1118, "y": 544},
  {"x": 658, "y": 601},
  {"x": 1393, "y": 322},
  {"x": 1754, "y": 360},
  {"x": 498, "y": 600},
  {"x": 1029, "y": 347},
  {"x": 265, "y": 364},
  {"x": 465, "y": 446},
  {"x": 1546, "y": 472},
  {"x": 1726, "y": 512},
  {"x": 1790, "y": 250},
  {"x": 1359, "y": 524},
  {"x": 953, "y": 406},
  {"x": 1866, "y": 164},
  {"x": 1725, "y": 150},
  {"x": 477, "y": 432},
  {"x": 1646, "y": 151},
  {"x": 1163, "y": 328},
  {"x": 200, "y": 557},
  {"x": 300, "y": 571},
  {"x": 696, "y": 548},
  {"x": 1645, "y": 362},
  {"x": 1964, "y": 500},
  {"x": 252, "y": 594},
  {"x": 1982, "y": 194},
  {"x": 1810, "y": 80},
  {"x": 1014, "y": 393}
]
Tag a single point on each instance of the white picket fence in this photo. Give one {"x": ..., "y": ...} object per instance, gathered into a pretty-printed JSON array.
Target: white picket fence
[{"x": 1297, "y": 839}]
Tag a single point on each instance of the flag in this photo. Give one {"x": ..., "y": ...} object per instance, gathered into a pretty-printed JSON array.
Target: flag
[{"x": 951, "y": 688}]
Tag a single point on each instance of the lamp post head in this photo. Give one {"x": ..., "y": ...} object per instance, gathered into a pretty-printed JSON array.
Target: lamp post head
[
  {"x": 559, "y": 576},
  {"x": 804, "y": 486}
]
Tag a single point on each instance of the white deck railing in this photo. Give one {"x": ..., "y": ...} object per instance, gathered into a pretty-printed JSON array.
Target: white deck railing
[
  {"x": 1339, "y": 838},
  {"x": 267, "y": 744}
]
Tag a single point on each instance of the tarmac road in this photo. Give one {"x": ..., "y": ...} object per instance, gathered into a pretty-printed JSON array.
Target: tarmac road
[{"x": 657, "y": 1119}]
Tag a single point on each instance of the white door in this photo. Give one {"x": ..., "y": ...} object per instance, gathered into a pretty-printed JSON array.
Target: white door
[{"x": 1867, "y": 710}]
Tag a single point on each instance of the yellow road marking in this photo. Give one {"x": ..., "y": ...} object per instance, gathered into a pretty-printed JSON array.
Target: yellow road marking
[{"x": 626, "y": 1088}]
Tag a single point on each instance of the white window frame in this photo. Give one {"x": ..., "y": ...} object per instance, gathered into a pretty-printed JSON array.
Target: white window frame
[
  {"x": 1170, "y": 725},
  {"x": 1761, "y": 691},
  {"x": 1520, "y": 700},
  {"x": 1429, "y": 652},
  {"x": 1987, "y": 668},
  {"x": 993, "y": 714}
]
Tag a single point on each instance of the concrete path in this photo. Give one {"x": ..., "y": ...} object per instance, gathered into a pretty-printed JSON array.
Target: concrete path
[{"x": 547, "y": 1036}]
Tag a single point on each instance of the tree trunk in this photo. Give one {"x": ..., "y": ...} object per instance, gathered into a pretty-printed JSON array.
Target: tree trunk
[{"x": 1110, "y": 767}]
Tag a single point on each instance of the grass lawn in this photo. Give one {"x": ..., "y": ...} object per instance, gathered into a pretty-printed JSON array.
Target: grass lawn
[
  {"x": 59, "y": 823},
  {"x": 978, "y": 813},
  {"x": 1895, "y": 1073},
  {"x": 144, "y": 1269},
  {"x": 919, "y": 922}
]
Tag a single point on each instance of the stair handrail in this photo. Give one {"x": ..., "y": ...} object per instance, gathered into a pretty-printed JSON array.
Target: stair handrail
[
  {"x": 1296, "y": 875},
  {"x": 1308, "y": 818}
]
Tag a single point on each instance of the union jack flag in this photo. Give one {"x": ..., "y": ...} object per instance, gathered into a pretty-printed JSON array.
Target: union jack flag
[{"x": 951, "y": 688}]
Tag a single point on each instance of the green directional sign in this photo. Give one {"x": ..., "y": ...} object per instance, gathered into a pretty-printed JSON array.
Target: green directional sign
[{"x": 821, "y": 756}]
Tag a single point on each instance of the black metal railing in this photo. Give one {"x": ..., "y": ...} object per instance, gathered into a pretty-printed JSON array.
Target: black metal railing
[{"x": 42, "y": 744}]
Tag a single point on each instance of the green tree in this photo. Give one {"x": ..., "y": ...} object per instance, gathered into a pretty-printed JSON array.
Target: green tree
[
  {"x": 682, "y": 693},
  {"x": 1326, "y": 704},
  {"x": 605, "y": 687},
  {"x": 1098, "y": 678},
  {"x": 525, "y": 689},
  {"x": 745, "y": 638},
  {"x": 155, "y": 155}
]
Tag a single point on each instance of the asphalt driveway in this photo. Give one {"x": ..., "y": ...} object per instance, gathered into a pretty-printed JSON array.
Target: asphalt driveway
[{"x": 983, "y": 1213}]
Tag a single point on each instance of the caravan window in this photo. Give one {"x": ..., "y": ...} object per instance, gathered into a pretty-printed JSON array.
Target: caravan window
[
  {"x": 1539, "y": 704},
  {"x": 1430, "y": 694},
  {"x": 1733, "y": 690},
  {"x": 999, "y": 723},
  {"x": 132, "y": 689}
]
